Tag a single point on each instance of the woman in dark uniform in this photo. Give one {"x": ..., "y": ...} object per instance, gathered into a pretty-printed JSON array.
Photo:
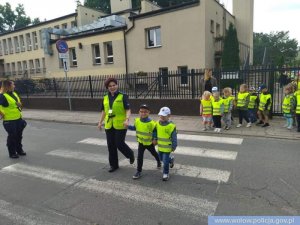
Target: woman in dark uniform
[
  {"x": 10, "y": 110},
  {"x": 115, "y": 114}
]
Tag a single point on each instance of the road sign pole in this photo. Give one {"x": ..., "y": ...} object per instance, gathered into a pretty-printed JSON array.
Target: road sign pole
[{"x": 69, "y": 93}]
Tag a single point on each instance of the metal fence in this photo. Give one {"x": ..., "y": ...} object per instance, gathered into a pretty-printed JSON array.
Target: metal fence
[{"x": 156, "y": 85}]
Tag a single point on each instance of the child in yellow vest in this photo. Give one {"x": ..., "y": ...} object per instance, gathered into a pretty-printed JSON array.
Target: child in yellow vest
[
  {"x": 297, "y": 98},
  {"x": 242, "y": 105},
  {"x": 206, "y": 110},
  {"x": 252, "y": 106},
  {"x": 288, "y": 106},
  {"x": 145, "y": 131},
  {"x": 218, "y": 110},
  {"x": 166, "y": 140},
  {"x": 228, "y": 101},
  {"x": 265, "y": 102}
]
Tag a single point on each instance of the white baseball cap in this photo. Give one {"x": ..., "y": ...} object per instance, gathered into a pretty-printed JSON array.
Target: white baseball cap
[
  {"x": 214, "y": 89},
  {"x": 164, "y": 111}
]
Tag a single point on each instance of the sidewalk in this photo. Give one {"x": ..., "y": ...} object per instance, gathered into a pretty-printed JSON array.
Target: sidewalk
[{"x": 185, "y": 124}]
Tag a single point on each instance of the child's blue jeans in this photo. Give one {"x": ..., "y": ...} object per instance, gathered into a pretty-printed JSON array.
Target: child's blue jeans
[
  {"x": 165, "y": 158},
  {"x": 289, "y": 119},
  {"x": 252, "y": 115}
]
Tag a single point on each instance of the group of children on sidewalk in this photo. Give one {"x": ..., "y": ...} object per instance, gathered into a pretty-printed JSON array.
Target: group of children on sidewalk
[
  {"x": 249, "y": 105},
  {"x": 150, "y": 133}
]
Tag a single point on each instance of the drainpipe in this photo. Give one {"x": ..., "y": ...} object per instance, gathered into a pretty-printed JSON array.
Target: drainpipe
[{"x": 125, "y": 32}]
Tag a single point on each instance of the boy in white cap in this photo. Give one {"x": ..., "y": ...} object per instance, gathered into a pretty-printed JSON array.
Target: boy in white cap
[{"x": 166, "y": 140}]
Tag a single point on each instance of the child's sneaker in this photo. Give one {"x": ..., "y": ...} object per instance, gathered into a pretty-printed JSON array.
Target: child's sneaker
[
  {"x": 204, "y": 129},
  {"x": 248, "y": 125},
  {"x": 266, "y": 125},
  {"x": 290, "y": 127},
  {"x": 218, "y": 130},
  {"x": 137, "y": 175},
  {"x": 172, "y": 162},
  {"x": 239, "y": 125},
  {"x": 165, "y": 177},
  {"x": 227, "y": 128},
  {"x": 158, "y": 165}
]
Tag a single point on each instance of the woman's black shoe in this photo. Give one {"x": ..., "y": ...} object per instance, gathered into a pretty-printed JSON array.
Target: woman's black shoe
[
  {"x": 14, "y": 156},
  {"x": 113, "y": 169},
  {"x": 22, "y": 153}
]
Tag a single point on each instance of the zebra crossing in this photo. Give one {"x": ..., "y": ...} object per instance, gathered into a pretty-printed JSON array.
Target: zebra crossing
[{"x": 127, "y": 190}]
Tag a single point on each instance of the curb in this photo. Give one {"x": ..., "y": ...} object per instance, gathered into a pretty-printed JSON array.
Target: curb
[{"x": 181, "y": 130}]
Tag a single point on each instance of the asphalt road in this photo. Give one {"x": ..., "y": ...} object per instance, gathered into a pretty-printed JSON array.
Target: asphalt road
[{"x": 64, "y": 180}]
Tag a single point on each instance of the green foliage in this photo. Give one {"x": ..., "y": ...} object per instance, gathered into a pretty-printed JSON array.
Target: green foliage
[
  {"x": 230, "y": 56},
  {"x": 280, "y": 49},
  {"x": 13, "y": 19},
  {"x": 103, "y": 5}
]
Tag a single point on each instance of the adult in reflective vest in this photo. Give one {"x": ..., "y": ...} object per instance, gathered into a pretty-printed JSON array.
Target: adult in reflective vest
[
  {"x": 115, "y": 114},
  {"x": 145, "y": 129},
  {"x": 166, "y": 140},
  {"x": 288, "y": 106},
  {"x": 11, "y": 107},
  {"x": 265, "y": 102}
]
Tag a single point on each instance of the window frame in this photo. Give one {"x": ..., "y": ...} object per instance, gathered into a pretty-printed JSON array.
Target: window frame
[
  {"x": 155, "y": 44},
  {"x": 95, "y": 57},
  {"x": 73, "y": 60},
  {"x": 107, "y": 56}
]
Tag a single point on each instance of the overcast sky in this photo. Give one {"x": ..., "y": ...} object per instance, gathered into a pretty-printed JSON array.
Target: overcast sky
[{"x": 269, "y": 15}]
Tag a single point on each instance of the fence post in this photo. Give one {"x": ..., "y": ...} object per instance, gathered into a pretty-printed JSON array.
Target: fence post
[
  {"x": 193, "y": 82},
  {"x": 55, "y": 87},
  {"x": 271, "y": 87},
  {"x": 91, "y": 86},
  {"x": 159, "y": 84}
]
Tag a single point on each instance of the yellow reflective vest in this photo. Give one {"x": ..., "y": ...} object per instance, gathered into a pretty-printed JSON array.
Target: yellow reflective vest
[
  {"x": 217, "y": 106},
  {"x": 207, "y": 107},
  {"x": 297, "y": 95},
  {"x": 286, "y": 104},
  {"x": 115, "y": 116},
  {"x": 227, "y": 101},
  {"x": 242, "y": 99},
  {"x": 144, "y": 131},
  {"x": 13, "y": 111},
  {"x": 164, "y": 134},
  {"x": 252, "y": 102},
  {"x": 263, "y": 101}
]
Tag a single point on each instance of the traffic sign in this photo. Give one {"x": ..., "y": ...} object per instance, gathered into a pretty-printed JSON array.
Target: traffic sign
[
  {"x": 65, "y": 64},
  {"x": 62, "y": 46},
  {"x": 63, "y": 55}
]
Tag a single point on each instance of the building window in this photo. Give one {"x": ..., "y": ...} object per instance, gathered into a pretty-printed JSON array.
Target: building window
[
  {"x": 44, "y": 65},
  {"x": 164, "y": 74},
  {"x": 73, "y": 24},
  {"x": 64, "y": 26},
  {"x": 29, "y": 42},
  {"x": 5, "y": 47},
  {"x": 25, "y": 72},
  {"x": 35, "y": 40},
  {"x": 22, "y": 43},
  {"x": 19, "y": 67},
  {"x": 31, "y": 66},
  {"x": 212, "y": 26},
  {"x": 10, "y": 46},
  {"x": 1, "y": 49},
  {"x": 73, "y": 57},
  {"x": 96, "y": 54},
  {"x": 13, "y": 68},
  {"x": 183, "y": 71},
  {"x": 41, "y": 40},
  {"x": 218, "y": 30},
  {"x": 153, "y": 37},
  {"x": 37, "y": 65},
  {"x": 8, "y": 71},
  {"x": 109, "y": 52},
  {"x": 17, "y": 44}
]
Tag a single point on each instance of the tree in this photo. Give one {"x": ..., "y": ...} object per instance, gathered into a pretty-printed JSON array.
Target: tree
[
  {"x": 103, "y": 5},
  {"x": 8, "y": 16},
  {"x": 35, "y": 21},
  {"x": 21, "y": 19},
  {"x": 230, "y": 56},
  {"x": 276, "y": 47}
]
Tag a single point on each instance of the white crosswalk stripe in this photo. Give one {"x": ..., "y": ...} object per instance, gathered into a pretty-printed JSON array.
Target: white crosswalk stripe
[
  {"x": 182, "y": 170},
  {"x": 181, "y": 150},
  {"x": 136, "y": 193},
  {"x": 204, "y": 138},
  {"x": 20, "y": 215}
]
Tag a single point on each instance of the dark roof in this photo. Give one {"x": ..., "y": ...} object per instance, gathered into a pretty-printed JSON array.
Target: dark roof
[
  {"x": 166, "y": 10},
  {"x": 92, "y": 32},
  {"x": 41, "y": 23}
]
